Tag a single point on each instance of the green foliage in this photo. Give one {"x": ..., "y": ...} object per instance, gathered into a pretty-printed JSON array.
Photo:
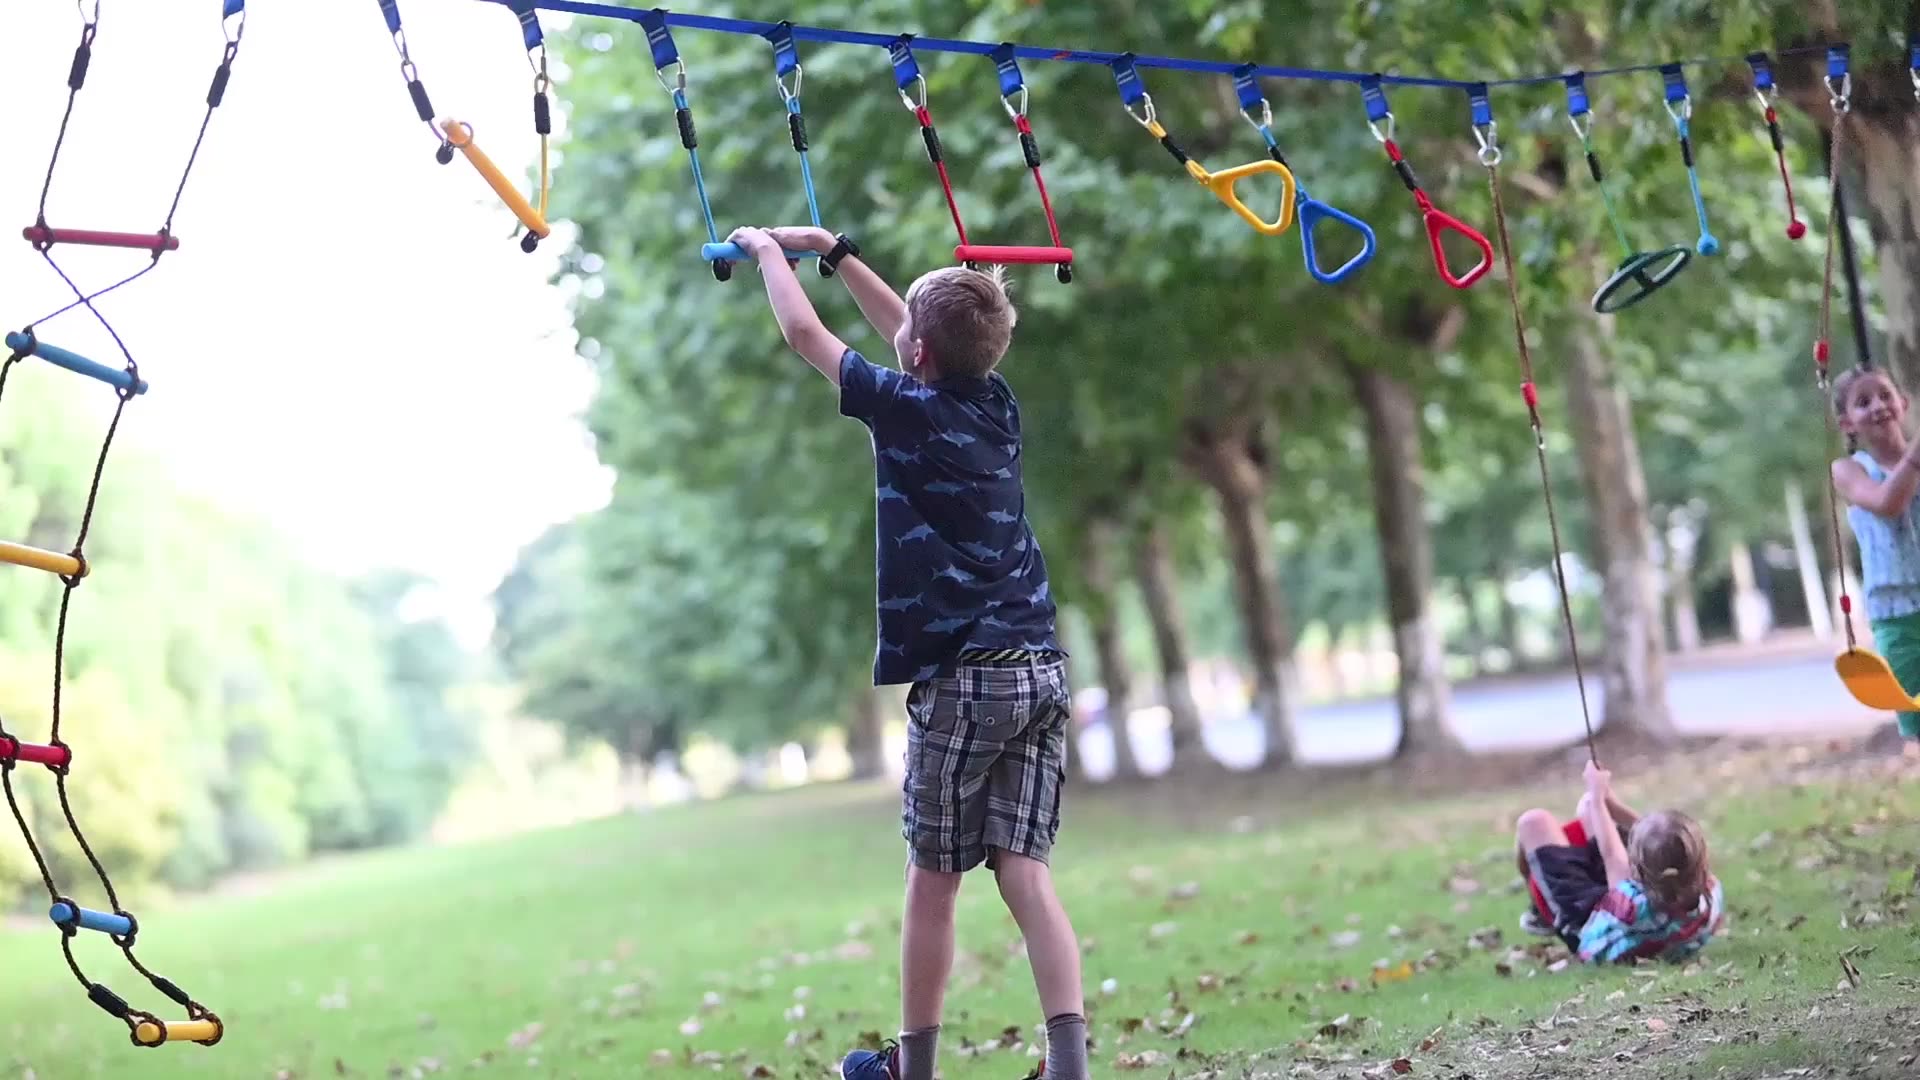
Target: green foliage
[
  {"x": 726, "y": 569},
  {"x": 228, "y": 706}
]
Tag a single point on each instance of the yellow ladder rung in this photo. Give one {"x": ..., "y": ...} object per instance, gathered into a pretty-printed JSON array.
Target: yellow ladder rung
[
  {"x": 151, "y": 1034},
  {"x": 39, "y": 559}
]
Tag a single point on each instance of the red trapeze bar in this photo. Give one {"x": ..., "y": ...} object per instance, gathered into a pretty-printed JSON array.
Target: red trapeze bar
[
  {"x": 12, "y": 749},
  {"x": 155, "y": 242},
  {"x": 1012, "y": 255}
]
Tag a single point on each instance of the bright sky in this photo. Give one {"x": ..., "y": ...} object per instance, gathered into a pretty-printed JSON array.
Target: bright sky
[{"x": 348, "y": 339}]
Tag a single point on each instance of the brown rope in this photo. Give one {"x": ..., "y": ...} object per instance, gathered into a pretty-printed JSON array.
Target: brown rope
[{"x": 1532, "y": 396}]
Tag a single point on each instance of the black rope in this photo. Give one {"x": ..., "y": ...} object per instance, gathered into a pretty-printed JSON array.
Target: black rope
[
  {"x": 76, "y": 78},
  {"x": 216, "y": 93}
]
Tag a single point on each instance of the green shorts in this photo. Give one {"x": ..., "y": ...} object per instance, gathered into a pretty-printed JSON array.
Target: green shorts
[{"x": 1898, "y": 640}]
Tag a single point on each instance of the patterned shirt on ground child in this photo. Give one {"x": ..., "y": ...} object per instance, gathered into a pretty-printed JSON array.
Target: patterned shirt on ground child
[
  {"x": 956, "y": 565},
  {"x": 1626, "y": 925}
]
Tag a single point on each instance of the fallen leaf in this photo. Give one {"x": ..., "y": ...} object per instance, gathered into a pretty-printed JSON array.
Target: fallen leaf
[
  {"x": 662, "y": 1058},
  {"x": 526, "y": 1036},
  {"x": 1796, "y": 922},
  {"x": 1401, "y": 1066},
  {"x": 1656, "y": 1025},
  {"x": 1207, "y": 983},
  {"x": 760, "y": 1072},
  {"x": 1401, "y": 972},
  {"x": 1345, "y": 939},
  {"x": 1344, "y": 1024},
  {"x": 1145, "y": 1059},
  {"x": 1162, "y": 929},
  {"x": 1186, "y": 890},
  {"x": 690, "y": 1027},
  {"x": 1462, "y": 886},
  {"x": 1247, "y": 937}
]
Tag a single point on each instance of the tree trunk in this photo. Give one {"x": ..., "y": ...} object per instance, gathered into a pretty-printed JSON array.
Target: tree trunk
[
  {"x": 1683, "y": 542},
  {"x": 866, "y": 734},
  {"x": 1752, "y": 613},
  {"x": 1104, "y": 614},
  {"x": 1159, "y": 585},
  {"x": 1406, "y": 555},
  {"x": 1509, "y": 619},
  {"x": 1807, "y": 558},
  {"x": 1234, "y": 467},
  {"x": 1476, "y": 628},
  {"x": 1635, "y": 671}
]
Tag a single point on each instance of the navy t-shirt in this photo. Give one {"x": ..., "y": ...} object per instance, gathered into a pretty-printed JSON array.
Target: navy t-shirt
[{"x": 957, "y": 567}]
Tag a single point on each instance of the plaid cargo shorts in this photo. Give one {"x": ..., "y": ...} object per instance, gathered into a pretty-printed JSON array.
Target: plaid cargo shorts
[{"x": 986, "y": 757}]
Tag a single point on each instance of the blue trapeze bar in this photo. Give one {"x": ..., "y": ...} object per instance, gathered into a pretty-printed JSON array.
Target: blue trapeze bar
[
  {"x": 761, "y": 28},
  {"x": 76, "y": 363},
  {"x": 733, "y": 253}
]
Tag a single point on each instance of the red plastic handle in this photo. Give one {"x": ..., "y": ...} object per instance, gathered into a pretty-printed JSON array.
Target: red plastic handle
[
  {"x": 155, "y": 242},
  {"x": 1439, "y": 221},
  {"x": 1012, "y": 255},
  {"x": 12, "y": 749}
]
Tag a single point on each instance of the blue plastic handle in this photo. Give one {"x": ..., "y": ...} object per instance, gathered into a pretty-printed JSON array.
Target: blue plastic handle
[
  {"x": 76, "y": 363},
  {"x": 1309, "y": 212},
  {"x": 106, "y": 923},
  {"x": 733, "y": 253}
]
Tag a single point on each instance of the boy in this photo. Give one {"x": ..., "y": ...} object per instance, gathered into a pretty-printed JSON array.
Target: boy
[{"x": 965, "y": 616}]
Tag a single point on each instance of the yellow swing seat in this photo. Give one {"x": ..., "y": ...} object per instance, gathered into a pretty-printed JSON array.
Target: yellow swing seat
[{"x": 1871, "y": 681}]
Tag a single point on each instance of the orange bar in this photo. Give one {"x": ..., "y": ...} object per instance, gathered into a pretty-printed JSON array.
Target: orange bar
[{"x": 37, "y": 559}]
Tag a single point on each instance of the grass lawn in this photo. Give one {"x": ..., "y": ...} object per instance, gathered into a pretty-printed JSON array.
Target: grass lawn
[{"x": 1240, "y": 926}]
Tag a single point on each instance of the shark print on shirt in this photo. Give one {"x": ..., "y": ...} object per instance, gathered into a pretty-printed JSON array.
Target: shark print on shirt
[{"x": 957, "y": 567}]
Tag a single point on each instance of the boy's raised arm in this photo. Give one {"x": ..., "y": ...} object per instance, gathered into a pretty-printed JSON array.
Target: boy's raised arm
[
  {"x": 883, "y": 308},
  {"x": 799, "y": 323}
]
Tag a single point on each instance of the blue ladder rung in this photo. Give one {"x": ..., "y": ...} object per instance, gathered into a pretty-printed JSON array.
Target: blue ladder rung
[
  {"x": 104, "y": 921},
  {"x": 74, "y": 362}
]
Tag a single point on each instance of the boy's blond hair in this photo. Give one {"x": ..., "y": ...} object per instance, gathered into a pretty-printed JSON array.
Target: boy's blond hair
[
  {"x": 965, "y": 318},
  {"x": 1668, "y": 851}
]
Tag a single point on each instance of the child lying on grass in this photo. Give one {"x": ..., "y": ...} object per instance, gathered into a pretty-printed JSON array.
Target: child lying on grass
[{"x": 1616, "y": 886}]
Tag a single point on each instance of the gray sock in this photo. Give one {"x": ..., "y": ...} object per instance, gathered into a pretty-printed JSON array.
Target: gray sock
[
  {"x": 1067, "y": 1047},
  {"x": 916, "y": 1053}
]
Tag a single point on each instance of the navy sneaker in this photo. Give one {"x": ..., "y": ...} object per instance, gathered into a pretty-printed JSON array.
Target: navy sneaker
[
  {"x": 881, "y": 1064},
  {"x": 1533, "y": 924}
]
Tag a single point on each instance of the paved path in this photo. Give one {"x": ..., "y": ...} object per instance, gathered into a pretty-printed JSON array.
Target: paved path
[{"x": 1791, "y": 693}]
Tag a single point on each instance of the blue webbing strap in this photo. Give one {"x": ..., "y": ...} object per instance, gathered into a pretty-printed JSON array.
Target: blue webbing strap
[
  {"x": 760, "y": 28},
  {"x": 529, "y": 22},
  {"x": 1577, "y": 105},
  {"x": 1003, "y": 59},
  {"x": 906, "y": 70},
  {"x": 659, "y": 38},
  {"x": 1375, "y": 99}
]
